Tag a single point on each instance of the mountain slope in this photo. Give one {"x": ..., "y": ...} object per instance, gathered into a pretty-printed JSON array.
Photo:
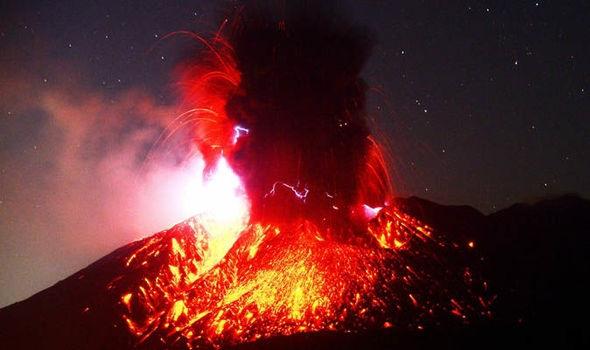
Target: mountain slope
[{"x": 301, "y": 287}]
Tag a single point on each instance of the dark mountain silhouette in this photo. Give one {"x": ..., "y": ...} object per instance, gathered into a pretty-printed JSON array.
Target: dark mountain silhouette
[{"x": 534, "y": 257}]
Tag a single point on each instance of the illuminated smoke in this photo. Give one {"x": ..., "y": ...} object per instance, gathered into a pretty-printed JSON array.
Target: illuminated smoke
[{"x": 82, "y": 186}]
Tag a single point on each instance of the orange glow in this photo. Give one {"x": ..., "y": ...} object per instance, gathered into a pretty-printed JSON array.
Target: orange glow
[
  {"x": 177, "y": 249},
  {"x": 126, "y": 298},
  {"x": 283, "y": 280}
]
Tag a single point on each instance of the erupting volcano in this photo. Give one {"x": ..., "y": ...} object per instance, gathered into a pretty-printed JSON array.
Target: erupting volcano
[
  {"x": 278, "y": 95},
  {"x": 276, "y": 100}
]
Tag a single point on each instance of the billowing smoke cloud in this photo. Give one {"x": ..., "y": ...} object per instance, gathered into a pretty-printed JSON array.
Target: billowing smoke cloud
[
  {"x": 302, "y": 98},
  {"x": 75, "y": 183}
]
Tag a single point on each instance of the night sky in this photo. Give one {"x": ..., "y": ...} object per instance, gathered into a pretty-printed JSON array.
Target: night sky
[{"x": 483, "y": 103}]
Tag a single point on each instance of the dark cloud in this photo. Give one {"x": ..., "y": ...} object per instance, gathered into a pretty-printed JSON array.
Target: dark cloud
[{"x": 303, "y": 100}]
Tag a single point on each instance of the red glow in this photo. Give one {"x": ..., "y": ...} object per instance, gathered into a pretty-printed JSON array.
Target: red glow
[
  {"x": 220, "y": 279},
  {"x": 283, "y": 280}
]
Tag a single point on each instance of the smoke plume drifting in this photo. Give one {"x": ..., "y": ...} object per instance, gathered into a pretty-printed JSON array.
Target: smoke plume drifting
[{"x": 85, "y": 179}]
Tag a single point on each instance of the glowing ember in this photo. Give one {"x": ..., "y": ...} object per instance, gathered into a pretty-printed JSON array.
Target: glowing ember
[{"x": 285, "y": 280}]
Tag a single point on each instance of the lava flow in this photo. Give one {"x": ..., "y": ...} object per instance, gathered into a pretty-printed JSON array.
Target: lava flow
[
  {"x": 283, "y": 280},
  {"x": 282, "y": 104}
]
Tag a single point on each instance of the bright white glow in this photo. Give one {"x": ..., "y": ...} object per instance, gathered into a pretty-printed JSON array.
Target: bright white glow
[
  {"x": 220, "y": 200},
  {"x": 171, "y": 195},
  {"x": 371, "y": 212}
]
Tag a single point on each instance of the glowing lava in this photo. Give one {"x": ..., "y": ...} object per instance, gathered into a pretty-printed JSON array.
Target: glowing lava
[{"x": 284, "y": 280}]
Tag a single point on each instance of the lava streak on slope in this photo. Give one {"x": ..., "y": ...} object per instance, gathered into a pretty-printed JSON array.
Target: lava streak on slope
[{"x": 284, "y": 280}]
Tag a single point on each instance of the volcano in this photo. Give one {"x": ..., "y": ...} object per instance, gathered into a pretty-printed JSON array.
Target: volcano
[
  {"x": 324, "y": 256},
  {"x": 413, "y": 280}
]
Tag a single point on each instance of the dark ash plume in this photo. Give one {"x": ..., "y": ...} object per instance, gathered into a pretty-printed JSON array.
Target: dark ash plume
[{"x": 303, "y": 101}]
